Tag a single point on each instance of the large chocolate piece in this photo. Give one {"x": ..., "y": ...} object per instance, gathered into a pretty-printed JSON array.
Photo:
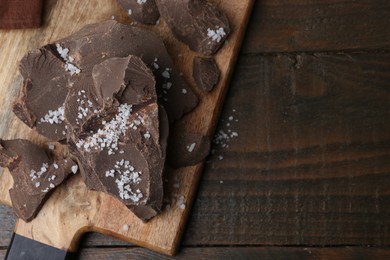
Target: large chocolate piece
[
  {"x": 143, "y": 11},
  {"x": 205, "y": 73},
  {"x": 118, "y": 140},
  {"x": 97, "y": 42},
  {"x": 36, "y": 173},
  {"x": 200, "y": 25},
  {"x": 40, "y": 101},
  {"x": 187, "y": 149}
]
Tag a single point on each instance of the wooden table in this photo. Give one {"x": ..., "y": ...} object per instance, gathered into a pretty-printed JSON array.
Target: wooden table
[{"x": 309, "y": 174}]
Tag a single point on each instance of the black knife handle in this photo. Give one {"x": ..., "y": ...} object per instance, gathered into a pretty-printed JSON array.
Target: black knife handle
[{"x": 27, "y": 249}]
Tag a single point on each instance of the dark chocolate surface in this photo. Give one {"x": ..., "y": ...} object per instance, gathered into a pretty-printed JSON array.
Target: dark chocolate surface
[
  {"x": 36, "y": 173},
  {"x": 187, "y": 149},
  {"x": 142, "y": 11},
  {"x": 200, "y": 25},
  {"x": 205, "y": 73}
]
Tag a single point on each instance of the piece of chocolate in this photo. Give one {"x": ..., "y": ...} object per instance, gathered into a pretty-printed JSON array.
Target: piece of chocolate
[
  {"x": 200, "y": 25},
  {"x": 187, "y": 149},
  {"x": 40, "y": 101},
  {"x": 205, "y": 73},
  {"x": 36, "y": 173},
  {"x": 97, "y": 42},
  {"x": 120, "y": 140},
  {"x": 142, "y": 11}
]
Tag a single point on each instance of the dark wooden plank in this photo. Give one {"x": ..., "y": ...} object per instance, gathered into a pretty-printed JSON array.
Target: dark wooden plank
[
  {"x": 234, "y": 253},
  {"x": 311, "y": 165},
  {"x": 323, "y": 25}
]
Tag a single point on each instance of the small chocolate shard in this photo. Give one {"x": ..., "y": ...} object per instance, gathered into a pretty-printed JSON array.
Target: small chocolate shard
[
  {"x": 142, "y": 11},
  {"x": 205, "y": 73},
  {"x": 40, "y": 100},
  {"x": 187, "y": 149},
  {"x": 200, "y": 25},
  {"x": 121, "y": 146},
  {"x": 36, "y": 173}
]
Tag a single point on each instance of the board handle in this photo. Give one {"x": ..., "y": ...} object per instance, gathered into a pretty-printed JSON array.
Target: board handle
[{"x": 27, "y": 249}]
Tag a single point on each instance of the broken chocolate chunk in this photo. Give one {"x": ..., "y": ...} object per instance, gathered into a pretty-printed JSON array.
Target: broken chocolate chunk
[
  {"x": 205, "y": 73},
  {"x": 200, "y": 25},
  {"x": 36, "y": 173},
  {"x": 121, "y": 141},
  {"x": 97, "y": 42},
  {"x": 142, "y": 11},
  {"x": 40, "y": 101},
  {"x": 187, "y": 149}
]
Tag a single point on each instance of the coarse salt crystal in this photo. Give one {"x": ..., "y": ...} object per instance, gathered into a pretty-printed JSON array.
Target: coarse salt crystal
[
  {"x": 191, "y": 147},
  {"x": 74, "y": 169},
  {"x": 54, "y": 117},
  {"x": 64, "y": 52},
  {"x": 125, "y": 227},
  {"x": 216, "y": 35},
  {"x": 166, "y": 74},
  {"x": 234, "y": 134},
  {"x": 147, "y": 135}
]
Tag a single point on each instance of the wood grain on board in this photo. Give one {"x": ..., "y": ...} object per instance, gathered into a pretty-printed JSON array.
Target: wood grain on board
[{"x": 73, "y": 209}]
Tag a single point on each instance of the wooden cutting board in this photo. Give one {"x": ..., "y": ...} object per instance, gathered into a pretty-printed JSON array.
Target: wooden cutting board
[{"x": 72, "y": 209}]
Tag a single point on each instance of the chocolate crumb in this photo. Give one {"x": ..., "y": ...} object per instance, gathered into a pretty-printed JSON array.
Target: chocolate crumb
[
  {"x": 186, "y": 149},
  {"x": 205, "y": 73}
]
